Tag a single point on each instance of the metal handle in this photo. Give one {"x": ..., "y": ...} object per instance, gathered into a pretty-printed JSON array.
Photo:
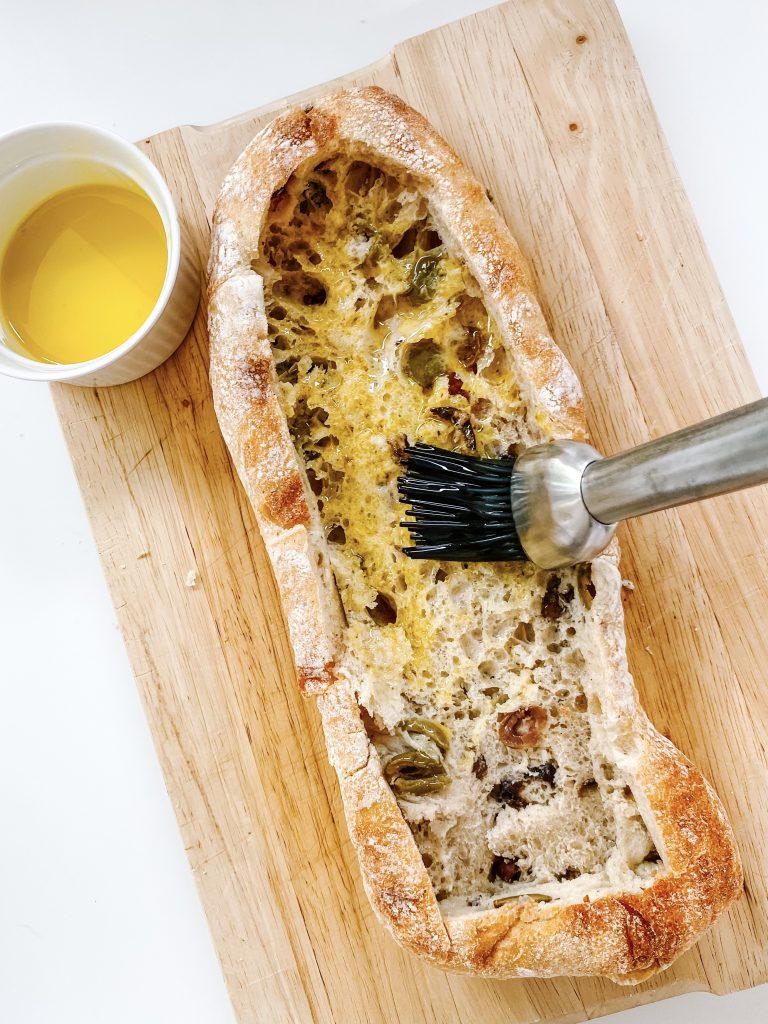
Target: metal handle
[{"x": 723, "y": 454}]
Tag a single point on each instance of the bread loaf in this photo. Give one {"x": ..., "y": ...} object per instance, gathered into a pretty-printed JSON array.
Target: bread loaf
[{"x": 514, "y": 811}]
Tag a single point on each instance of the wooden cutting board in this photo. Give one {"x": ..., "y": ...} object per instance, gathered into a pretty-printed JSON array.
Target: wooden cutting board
[{"x": 545, "y": 102}]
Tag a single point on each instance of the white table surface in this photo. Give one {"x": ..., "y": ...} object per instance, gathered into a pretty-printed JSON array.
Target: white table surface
[{"x": 100, "y": 921}]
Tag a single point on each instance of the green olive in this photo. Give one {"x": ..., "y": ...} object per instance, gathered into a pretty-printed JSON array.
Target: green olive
[
  {"x": 438, "y": 733},
  {"x": 411, "y": 763},
  {"x": 416, "y": 773},
  {"x": 420, "y": 787},
  {"x": 425, "y": 276},
  {"x": 534, "y": 897},
  {"x": 424, "y": 362},
  {"x": 504, "y": 899}
]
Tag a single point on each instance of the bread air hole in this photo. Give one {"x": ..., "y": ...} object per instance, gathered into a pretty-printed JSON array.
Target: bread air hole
[
  {"x": 406, "y": 244},
  {"x": 288, "y": 370},
  {"x": 470, "y": 643},
  {"x": 401, "y": 583},
  {"x": 429, "y": 239},
  {"x": 385, "y": 310},
  {"x": 587, "y": 788},
  {"x": 301, "y": 288},
  {"x": 327, "y": 441},
  {"x": 525, "y": 632},
  {"x": 361, "y": 177},
  {"x": 314, "y": 481},
  {"x": 384, "y": 610},
  {"x": 302, "y": 328},
  {"x": 314, "y": 199},
  {"x": 321, "y": 363},
  {"x": 392, "y": 211}
]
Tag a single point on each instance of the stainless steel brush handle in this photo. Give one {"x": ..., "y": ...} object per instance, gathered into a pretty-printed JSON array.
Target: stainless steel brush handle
[
  {"x": 727, "y": 453},
  {"x": 566, "y": 498}
]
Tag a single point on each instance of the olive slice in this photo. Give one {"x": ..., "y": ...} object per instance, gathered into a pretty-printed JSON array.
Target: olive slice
[
  {"x": 423, "y": 361},
  {"x": 413, "y": 772},
  {"x": 425, "y": 276},
  {"x": 439, "y": 734},
  {"x": 420, "y": 787},
  {"x": 534, "y": 897}
]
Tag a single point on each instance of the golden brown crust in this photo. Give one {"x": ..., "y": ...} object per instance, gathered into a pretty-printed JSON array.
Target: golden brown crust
[{"x": 627, "y": 936}]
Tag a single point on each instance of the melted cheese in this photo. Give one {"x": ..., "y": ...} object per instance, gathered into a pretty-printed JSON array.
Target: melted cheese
[{"x": 354, "y": 338}]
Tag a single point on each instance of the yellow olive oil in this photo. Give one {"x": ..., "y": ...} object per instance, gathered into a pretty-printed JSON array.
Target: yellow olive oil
[{"x": 82, "y": 272}]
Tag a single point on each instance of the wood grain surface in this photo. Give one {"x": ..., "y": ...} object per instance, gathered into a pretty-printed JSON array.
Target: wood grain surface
[{"x": 545, "y": 102}]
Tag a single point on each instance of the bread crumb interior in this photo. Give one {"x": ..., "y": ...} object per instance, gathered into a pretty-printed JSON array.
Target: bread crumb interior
[{"x": 473, "y": 677}]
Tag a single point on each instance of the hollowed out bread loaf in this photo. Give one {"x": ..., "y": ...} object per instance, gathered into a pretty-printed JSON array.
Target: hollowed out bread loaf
[{"x": 513, "y": 810}]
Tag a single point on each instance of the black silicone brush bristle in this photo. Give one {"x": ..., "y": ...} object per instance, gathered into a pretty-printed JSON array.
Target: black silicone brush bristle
[{"x": 461, "y": 506}]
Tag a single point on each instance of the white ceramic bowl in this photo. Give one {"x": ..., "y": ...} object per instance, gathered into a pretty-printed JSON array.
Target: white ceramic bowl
[{"x": 42, "y": 159}]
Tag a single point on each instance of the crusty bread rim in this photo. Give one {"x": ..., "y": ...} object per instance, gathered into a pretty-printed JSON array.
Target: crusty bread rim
[{"x": 624, "y": 936}]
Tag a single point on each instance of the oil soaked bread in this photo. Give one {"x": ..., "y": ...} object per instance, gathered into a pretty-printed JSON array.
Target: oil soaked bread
[{"x": 473, "y": 676}]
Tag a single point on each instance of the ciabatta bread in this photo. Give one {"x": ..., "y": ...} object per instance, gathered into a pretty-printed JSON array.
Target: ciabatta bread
[{"x": 513, "y": 810}]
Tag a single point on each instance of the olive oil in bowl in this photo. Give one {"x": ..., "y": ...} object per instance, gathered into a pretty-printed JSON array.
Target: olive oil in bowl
[{"x": 83, "y": 272}]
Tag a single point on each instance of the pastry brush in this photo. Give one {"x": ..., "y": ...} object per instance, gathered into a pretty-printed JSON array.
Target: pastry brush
[{"x": 559, "y": 503}]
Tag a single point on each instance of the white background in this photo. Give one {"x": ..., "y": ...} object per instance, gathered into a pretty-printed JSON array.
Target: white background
[{"x": 99, "y": 917}]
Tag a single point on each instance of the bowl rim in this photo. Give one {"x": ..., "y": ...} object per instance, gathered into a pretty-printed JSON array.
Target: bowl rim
[{"x": 14, "y": 364}]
